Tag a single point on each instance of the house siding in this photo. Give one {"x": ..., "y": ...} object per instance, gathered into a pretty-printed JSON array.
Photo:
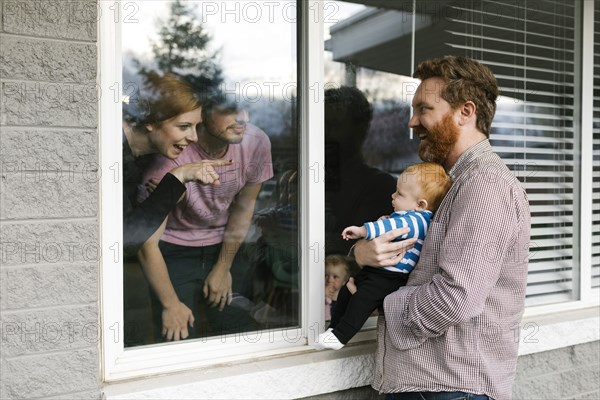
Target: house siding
[{"x": 49, "y": 228}]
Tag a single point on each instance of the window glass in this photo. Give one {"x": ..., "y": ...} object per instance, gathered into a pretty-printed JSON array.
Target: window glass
[
  {"x": 596, "y": 164},
  {"x": 529, "y": 47},
  {"x": 209, "y": 92}
]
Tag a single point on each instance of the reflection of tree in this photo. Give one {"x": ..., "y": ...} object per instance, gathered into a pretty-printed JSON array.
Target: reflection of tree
[
  {"x": 388, "y": 145},
  {"x": 182, "y": 48}
]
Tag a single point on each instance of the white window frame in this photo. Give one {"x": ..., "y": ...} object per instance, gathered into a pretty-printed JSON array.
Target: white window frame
[
  {"x": 119, "y": 363},
  {"x": 584, "y": 295}
]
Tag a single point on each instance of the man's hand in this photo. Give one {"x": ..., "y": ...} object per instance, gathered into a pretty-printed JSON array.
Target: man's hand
[
  {"x": 175, "y": 321},
  {"x": 217, "y": 287},
  {"x": 383, "y": 251}
]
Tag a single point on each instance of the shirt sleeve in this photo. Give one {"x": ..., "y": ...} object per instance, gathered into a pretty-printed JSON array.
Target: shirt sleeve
[
  {"x": 139, "y": 223},
  {"x": 471, "y": 256},
  {"x": 261, "y": 168},
  {"x": 378, "y": 228}
]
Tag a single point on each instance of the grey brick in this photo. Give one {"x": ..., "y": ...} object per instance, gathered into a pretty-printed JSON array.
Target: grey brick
[
  {"x": 579, "y": 380},
  {"x": 22, "y": 148},
  {"x": 54, "y": 329},
  {"x": 50, "y": 193},
  {"x": 587, "y": 353},
  {"x": 541, "y": 387},
  {"x": 544, "y": 363},
  {"x": 48, "y": 242},
  {"x": 363, "y": 393},
  {"x": 1, "y": 16},
  {"x": 58, "y": 19},
  {"x": 49, "y": 104},
  {"x": 48, "y": 375},
  {"x": 586, "y": 396},
  {"x": 87, "y": 395},
  {"x": 48, "y": 285},
  {"x": 44, "y": 60}
]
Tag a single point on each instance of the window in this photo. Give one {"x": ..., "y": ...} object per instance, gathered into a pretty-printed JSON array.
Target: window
[
  {"x": 274, "y": 63},
  {"x": 531, "y": 48},
  {"x": 595, "y": 270},
  {"x": 240, "y": 56}
]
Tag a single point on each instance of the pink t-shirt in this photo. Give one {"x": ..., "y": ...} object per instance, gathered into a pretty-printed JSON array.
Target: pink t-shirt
[{"x": 200, "y": 219}]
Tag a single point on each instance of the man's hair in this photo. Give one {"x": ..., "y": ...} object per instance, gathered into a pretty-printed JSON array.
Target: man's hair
[
  {"x": 434, "y": 181},
  {"x": 220, "y": 102},
  {"x": 348, "y": 106},
  {"x": 465, "y": 80}
]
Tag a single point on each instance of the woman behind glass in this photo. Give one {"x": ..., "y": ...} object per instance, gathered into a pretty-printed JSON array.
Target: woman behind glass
[{"x": 162, "y": 119}]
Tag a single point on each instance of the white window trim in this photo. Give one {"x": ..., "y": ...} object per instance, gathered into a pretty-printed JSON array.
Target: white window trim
[
  {"x": 309, "y": 373},
  {"x": 120, "y": 363}
]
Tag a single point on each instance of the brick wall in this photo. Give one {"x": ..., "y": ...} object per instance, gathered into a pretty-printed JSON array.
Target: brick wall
[
  {"x": 570, "y": 373},
  {"x": 49, "y": 233}
]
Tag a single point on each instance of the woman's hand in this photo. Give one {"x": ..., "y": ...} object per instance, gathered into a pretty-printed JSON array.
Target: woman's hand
[
  {"x": 202, "y": 171},
  {"x": 175, "y": 321},
  {"x": 217, "y": 287},
  {"x": 383, "y": 251}
]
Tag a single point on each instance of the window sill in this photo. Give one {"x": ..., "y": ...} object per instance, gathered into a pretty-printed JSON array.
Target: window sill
[{"x": 306, "y": 372}]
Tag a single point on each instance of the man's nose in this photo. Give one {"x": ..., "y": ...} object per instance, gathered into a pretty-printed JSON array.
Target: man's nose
[
  {"x": 242, "y": 117},
  {"x": 413, "y": 121}
]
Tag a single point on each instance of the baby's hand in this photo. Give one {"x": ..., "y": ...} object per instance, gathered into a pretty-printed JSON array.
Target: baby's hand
[
  {"x": 383, "y": 217},
  {"x": 351, "y": 286},
  {"x": 354, "y": 232},
  {"x": 330, "y": 291}
]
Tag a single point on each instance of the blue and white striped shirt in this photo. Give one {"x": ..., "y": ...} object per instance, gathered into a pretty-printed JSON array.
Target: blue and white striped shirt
[{"x": 417, "y": 221}]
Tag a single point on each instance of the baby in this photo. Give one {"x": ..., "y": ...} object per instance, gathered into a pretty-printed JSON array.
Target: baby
[
  {"x": 337, "y": 271},
  {"x": 419, "y": 191}
]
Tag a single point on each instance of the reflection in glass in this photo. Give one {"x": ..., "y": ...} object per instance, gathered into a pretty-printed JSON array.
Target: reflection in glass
[
  {"x": 530, "y": 49},
  {"x": 237, "y": 238}
]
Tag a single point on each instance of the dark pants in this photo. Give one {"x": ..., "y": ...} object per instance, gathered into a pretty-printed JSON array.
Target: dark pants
[
  {"x": 436, "y": 396},
  {"x": 352, "y": 311},
  {"x": 188, "y": 268}
]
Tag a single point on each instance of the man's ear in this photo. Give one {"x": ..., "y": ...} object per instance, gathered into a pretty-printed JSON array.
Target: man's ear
[
  {"x": 467, "y": 112},
  {"x": 422, "y": 204}
]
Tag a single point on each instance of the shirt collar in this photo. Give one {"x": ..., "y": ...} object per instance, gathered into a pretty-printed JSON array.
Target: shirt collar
[{"x": 472, "y": 153}]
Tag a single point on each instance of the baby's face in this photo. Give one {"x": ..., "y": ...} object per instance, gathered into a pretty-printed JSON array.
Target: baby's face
[
  {"x": 408, "y": 190},
  {"x": 335, "y": 275}
]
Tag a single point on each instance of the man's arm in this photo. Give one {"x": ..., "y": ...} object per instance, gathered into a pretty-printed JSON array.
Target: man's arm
[
  {"x": 217, "y": 287},
  {"x": 471, "y": 255}
]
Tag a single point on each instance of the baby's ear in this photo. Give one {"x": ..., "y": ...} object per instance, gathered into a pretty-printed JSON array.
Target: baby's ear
[{"x": 422, "y": 204}]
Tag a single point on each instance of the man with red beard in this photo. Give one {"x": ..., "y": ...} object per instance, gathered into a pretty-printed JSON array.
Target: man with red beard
[{"x": 449, "y": 334}]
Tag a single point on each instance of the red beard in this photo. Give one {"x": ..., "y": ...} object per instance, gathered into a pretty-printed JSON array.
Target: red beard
[{"x": 439, "y": 140}]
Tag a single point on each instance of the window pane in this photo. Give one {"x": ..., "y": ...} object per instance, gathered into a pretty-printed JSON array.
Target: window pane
[
  {"x": 209, "y": 97},
  {"x": 530, "y": 49}
]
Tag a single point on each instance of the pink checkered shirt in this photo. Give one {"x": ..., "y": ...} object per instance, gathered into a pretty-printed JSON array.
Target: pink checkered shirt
[{"x": 454, "y": 327}]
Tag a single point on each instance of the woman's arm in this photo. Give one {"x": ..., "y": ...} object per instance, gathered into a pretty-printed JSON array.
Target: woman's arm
[{"x": 175, "y": 315}]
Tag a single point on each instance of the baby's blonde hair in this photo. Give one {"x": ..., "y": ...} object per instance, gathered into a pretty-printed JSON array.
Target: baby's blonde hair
[{"x": 434, "y": 180}]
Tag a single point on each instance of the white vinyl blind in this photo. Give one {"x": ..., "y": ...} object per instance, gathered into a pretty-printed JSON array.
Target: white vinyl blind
[
  {"x": 596, "y": 154},
  {"x": 530, "y": 47}
]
